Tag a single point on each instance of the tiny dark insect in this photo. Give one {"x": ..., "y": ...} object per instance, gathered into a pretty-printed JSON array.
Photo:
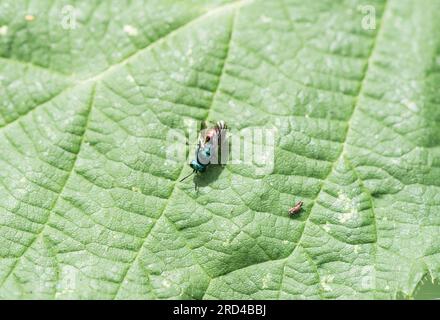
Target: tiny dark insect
[{"x": 296, "y": 209}]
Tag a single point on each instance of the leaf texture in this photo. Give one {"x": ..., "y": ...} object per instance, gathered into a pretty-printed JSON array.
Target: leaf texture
[{"x": 91, "y": 206}]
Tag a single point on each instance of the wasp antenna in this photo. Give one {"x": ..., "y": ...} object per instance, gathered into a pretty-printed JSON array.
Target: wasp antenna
[{"x": 188, "y": 176}]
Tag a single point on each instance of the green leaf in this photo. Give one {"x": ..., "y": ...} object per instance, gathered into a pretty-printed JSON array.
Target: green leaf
[{"x": 90, "y": 203}]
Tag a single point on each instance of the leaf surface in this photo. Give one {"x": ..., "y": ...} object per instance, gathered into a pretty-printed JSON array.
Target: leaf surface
[{"x": 90, "y": 203}]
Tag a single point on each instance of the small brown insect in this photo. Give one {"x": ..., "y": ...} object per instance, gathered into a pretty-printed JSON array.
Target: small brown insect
[{"x": 296, "y": 209}]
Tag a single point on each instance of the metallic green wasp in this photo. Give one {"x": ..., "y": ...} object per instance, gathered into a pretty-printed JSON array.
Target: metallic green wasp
[{"x": 208, "y": 147}]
